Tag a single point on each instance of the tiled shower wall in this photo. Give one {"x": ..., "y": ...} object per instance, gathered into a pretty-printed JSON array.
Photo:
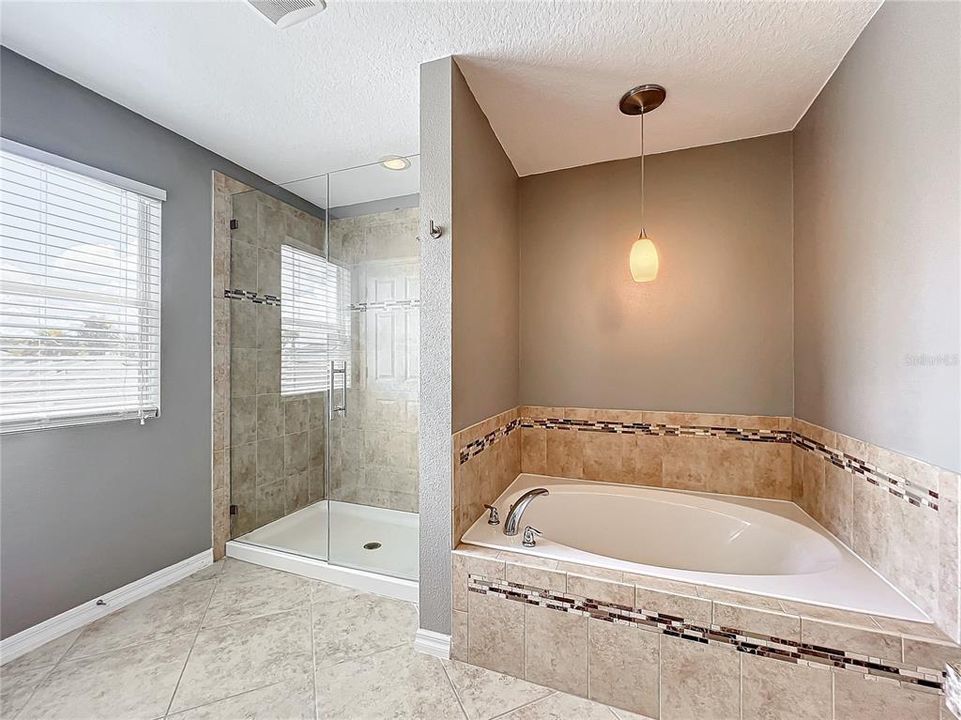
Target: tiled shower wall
[
  {"x": 373, "y": 451},
  {"x": 277, "y": 444},
  {"x": 899, "y": 514}
]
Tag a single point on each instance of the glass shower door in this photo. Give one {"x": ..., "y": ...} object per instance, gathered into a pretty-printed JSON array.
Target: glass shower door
[
  {"x": 278, "y": 420},
  {"x": 372, "y": 425}
]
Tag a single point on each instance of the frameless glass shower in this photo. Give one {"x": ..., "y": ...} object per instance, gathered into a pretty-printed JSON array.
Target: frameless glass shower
[{"x": 324, "y": 370}]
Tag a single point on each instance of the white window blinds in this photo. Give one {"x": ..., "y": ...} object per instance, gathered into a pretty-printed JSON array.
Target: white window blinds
[
  {"x": 79, "y": 293},
  {"x": 314, "y": 320}
]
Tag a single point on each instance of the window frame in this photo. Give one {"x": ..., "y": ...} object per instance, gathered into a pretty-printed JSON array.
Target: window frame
[{"x": 138, "y": 192}]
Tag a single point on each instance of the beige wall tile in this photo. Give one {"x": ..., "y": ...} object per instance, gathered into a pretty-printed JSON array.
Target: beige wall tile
[
  {"x": 730, "y": 466},
  {"x": 536, "y": 572},
  {"x": 458, "y": 648},
  {"x": 699, "y": 681},
  {"x": 779, "y": 689},
  {"x": 837, "y": 502},
  {"x": 761, "y": 622},
  {"x": 857, "y": 698},
  {"x": 624, "y": 667},
  {"x": 606, "y": 591},
  {"x": 692, "y": 609},
  {"x": 816, "y": 432},
  {"x": 896, "y": 539},
  {"x": 738, "y": 598},
  {"x": 564, "y": 454},
  {"x": 556, "y": 649},
  {"x": 817, "y": 612},
  {"x": 685, "y": 463},
  {"x": 664, "y": 584},
  {"x": 534, "y": 450},
  {"x": 772, "y": 470},
  {"x": 948, "y": 614},
  {"x": 886, "y": 646},
  {"x": 495, "y": 634},
  {"x": 486, "y": 562},
  {"x": 458, "y": 579},
  {"x": 590, "y": 571},
  {"x": 930, "y": 654},
  {"x": 608, "y": 457},
  {"x": 648, "y": 460}
]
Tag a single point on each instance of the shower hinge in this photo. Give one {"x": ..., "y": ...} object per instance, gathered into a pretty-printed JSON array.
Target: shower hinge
[
  {"x": 234, "y": 224},
  {"x": 234, "y": 509}
]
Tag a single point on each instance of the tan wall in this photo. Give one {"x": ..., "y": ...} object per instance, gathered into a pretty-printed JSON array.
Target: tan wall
[
  {"x": 712, "y": 333},
  {"x": 485, "y": 266},
  {"x": 876, "y": 244}
]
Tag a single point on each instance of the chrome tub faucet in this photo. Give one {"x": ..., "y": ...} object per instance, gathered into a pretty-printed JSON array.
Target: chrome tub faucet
[{"x": 513, "y": 521}]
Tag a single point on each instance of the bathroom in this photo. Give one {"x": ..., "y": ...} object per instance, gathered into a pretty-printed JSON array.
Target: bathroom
[{"x": 613, "y": 372}]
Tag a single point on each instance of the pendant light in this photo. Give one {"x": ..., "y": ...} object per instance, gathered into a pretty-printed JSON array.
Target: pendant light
[{"x": 640, "y": 101}]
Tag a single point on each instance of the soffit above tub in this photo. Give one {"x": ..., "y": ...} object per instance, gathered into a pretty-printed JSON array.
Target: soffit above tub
[{"x": 341, "y": 89}]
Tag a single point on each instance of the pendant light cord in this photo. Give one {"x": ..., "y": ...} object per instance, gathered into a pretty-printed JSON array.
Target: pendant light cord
[{"x": 643, "y": 232}]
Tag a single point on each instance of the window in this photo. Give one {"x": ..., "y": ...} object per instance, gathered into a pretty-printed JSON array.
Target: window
[
  {"x": 314, "y": 321},
  {"x": 79, "y": 293}
]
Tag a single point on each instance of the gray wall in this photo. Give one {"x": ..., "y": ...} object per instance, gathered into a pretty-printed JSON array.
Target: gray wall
[
  {"x": 485, "y": 266},
  {"x": 712, "y": 333},
  {"x": 435, "y": 341},
  {"x": 86, "y": 510},
  {"x": 876, "y": 248}
]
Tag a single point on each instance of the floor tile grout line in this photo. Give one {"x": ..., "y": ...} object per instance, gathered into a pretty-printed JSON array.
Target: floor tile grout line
[
  {"x": 152, "y": 641},
  {"x": 551, "y": 694},
  {"x": 200, "y": 627},
  {"x": 228, "y": 697},
  {"x": 453, "y": 687},
  {"x": 313, "y": 653},
  {"x": 365, "y": 655},
  {"x": 62, "y": 658}
]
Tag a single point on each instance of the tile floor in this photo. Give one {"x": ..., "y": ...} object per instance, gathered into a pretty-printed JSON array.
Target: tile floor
[{"x": 240, "y": 641}]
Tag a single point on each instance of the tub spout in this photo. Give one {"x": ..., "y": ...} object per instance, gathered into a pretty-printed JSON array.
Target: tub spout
[{"x": 514, "y": 515}]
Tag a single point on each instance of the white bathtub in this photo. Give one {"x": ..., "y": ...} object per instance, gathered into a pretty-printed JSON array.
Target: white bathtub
[{"x": 770, "y": 547}]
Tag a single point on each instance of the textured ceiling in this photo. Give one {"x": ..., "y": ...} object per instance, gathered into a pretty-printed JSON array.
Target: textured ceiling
[{"x": 342, "y": 89}]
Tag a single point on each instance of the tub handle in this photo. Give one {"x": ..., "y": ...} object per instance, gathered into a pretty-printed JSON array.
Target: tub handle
[
  {"x": 529, "y": 533},
  {"x": 493, "y": 518}
]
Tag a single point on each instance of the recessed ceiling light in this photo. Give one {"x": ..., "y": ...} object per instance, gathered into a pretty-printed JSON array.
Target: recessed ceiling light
[{"x": 395, "y": 162}]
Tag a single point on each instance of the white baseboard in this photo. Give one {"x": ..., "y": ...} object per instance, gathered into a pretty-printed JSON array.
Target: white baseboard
[
  {"x": 33, "y": 637},
  {"x": 432, "y": 643},
  {"x": 320, "y": 570}
]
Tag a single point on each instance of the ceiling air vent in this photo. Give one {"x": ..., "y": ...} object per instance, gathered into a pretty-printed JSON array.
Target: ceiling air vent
[{"x": 284, "y": 13}]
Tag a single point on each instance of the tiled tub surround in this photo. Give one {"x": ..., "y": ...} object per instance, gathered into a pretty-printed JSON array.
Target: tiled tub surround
[
  {"x": 373, "y": 450},
  {"x": 668, "y": 649},
  {"x": 480, "y": 479},
  {"x": 898, "y": 514}
]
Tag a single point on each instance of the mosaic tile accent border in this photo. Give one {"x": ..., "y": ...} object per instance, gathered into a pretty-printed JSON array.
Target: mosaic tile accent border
[
  {"x": 385, "y": 305},
  {"x": 252, "y": 296},
  {"x": 624, "y": 428},
  {"x": 896, "y": 485},
  {"x": 742, "y": 640}
]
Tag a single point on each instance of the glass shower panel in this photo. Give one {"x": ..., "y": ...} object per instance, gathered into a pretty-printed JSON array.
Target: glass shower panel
[
  {"x": 372, "y": 430},
  {"x": 278, "y": 428}
]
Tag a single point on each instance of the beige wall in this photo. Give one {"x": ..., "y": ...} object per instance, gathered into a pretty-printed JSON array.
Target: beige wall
[
  {"x": 876, "y": 248},
  {"x": 485, "y": 265},
  {"x": 711, "y": 334}
]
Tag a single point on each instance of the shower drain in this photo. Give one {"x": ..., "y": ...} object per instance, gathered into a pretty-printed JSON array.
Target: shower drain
[{"x": 371, "y": 545}]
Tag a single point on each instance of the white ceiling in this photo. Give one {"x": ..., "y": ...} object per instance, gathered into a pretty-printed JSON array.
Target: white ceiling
[{"x": 341, "y": 89}]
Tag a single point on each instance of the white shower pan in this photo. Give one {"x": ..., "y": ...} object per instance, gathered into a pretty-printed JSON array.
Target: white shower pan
[{"x": 298, "y": 543}]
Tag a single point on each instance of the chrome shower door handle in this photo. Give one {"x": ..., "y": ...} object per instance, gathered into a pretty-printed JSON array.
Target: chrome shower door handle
[{"x": 334, "y": 372}]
